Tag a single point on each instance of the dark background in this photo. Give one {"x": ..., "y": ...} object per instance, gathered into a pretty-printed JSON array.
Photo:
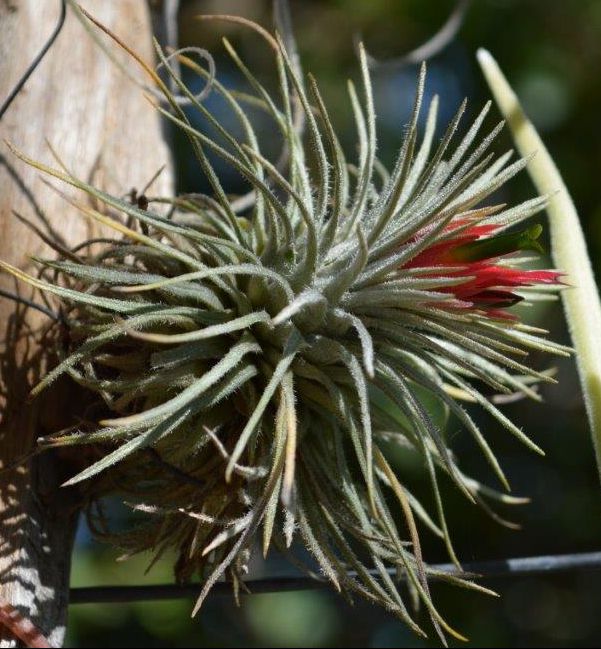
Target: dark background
[{"x": 551, "y": 53}]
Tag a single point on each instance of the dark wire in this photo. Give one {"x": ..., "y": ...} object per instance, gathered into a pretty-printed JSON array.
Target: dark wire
[
  {"x": 30, "y": 303},
  {"x": 34, "y": 64},
  {"x": 432, "y": 47},
  {"x": 477, "y": 571}
]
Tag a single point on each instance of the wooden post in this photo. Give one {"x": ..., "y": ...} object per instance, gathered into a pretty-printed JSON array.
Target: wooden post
[{"x": 104, "y": 130}]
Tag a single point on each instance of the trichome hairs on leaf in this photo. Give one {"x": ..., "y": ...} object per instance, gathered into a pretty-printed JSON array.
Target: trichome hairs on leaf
[{"x": 263, "y": 358}]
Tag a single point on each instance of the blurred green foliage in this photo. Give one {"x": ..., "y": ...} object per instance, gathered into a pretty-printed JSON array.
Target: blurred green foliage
[{"x": 551, "y": 52}]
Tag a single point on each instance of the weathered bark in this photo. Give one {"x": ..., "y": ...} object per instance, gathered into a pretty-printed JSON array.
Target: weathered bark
[{"x": 103, "y": 130}]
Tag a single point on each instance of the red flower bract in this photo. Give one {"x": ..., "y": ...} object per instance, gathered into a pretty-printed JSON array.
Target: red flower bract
[{"x": 476, "y": 251}]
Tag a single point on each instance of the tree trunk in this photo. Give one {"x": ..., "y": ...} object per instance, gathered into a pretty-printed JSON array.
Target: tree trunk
[{"x": 104, "y": 131}]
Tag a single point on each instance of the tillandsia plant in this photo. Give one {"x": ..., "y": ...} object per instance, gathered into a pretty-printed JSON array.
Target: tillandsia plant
[{"x": 261, "y": 356}]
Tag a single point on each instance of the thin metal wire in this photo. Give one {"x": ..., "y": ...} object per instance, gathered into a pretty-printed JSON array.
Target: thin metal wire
[
  {"x": 432, "y": 47},
  {"x": 477, "y": 570},
  {"x": 30, "y": 303},
  {"x": 34, "y": 64}
]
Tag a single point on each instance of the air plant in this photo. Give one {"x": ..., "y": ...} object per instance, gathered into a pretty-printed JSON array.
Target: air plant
[{"x": 261, "y": 357}]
